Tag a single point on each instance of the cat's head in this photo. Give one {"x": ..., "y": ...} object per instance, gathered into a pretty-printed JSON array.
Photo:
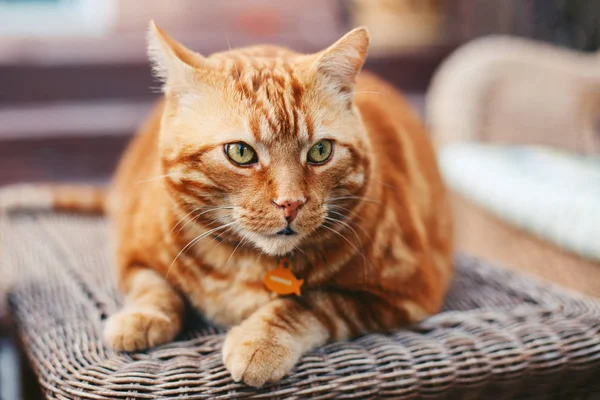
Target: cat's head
[{"x": 263, "y": 143}]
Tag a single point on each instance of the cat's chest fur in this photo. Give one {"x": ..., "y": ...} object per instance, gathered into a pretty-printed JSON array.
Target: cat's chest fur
[{"x": 225, "y": 289}]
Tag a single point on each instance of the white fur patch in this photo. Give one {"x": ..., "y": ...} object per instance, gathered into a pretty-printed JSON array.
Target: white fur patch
[{"x": 356, "y": 178}]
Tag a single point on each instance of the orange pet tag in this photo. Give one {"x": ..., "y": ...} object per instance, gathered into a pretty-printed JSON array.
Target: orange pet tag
[{"x": 281, "y": 280}]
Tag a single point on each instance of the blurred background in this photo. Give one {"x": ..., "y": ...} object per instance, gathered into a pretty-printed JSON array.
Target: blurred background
[
  {"x": 517, "y": 115},
  {"x": 75, "y": 82}
]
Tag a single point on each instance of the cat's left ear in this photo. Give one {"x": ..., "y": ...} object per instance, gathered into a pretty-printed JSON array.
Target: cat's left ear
[
  {"x": 341, "y": 62},
  {"x": 172, "y": 62}
]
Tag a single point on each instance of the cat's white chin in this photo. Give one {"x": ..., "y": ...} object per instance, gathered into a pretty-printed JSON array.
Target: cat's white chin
[{"x": 278, "y": 245}]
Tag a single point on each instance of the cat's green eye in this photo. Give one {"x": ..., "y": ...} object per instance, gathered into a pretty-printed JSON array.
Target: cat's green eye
[
  {"x": 320, "y": 152},
  {"x": 240, "y": 153}
]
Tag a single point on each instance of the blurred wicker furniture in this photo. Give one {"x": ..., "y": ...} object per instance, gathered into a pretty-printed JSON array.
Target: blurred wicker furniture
[
  {"x": 500, "y": 335},
  {"x": 502, "y": 90},
  {"x": 508, "y": 90}
]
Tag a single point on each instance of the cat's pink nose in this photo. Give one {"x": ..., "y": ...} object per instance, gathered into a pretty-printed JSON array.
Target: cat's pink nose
[{"x": 290, "y": 208}]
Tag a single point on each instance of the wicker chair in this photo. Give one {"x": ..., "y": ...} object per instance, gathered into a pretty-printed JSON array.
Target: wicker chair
[
  {"x": 500, "y": 335},
  {"x": 499, "y": 91}
]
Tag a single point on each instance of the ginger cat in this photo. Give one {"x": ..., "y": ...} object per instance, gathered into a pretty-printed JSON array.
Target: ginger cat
[{"x": 259, "y": 153}]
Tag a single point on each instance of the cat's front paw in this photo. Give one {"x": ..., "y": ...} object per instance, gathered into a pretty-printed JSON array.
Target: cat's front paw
[
  {"x": 259, "y": 354},
  {"x": 133, "y": 329}
]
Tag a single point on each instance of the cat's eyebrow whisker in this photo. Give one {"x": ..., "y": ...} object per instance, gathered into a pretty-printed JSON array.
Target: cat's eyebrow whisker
[
  {"x": 194, "y": 242},
  {"x": 382, "y": 183},
  {"x": 156, "y": 178},
  {"x": 360, "y": 92}
]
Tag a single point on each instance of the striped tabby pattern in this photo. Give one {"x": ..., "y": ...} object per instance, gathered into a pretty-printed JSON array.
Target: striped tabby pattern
[{"x": 368, "y": 230}]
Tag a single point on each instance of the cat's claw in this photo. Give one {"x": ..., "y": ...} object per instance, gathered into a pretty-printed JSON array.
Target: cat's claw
[
  {"x": 256, "y": 355},
  {"x": 137, "y": 329}
]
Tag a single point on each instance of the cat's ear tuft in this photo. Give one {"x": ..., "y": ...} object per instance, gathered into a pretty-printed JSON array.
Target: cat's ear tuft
[
  {"x": 171, "y": 61},
  {"x": 341, "y": 62}
]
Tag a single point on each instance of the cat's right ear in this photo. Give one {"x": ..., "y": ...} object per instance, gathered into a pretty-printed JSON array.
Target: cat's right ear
[{"x": 172, "y": 62}]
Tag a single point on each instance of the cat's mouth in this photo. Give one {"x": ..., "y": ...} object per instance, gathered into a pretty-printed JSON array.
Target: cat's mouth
[
  {"x": 278, "y": 243},
  {"x": 287, "y": 231}
]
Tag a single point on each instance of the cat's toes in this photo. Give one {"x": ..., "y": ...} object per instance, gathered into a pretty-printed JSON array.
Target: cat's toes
[
  {"x": 256, "y": 357},
  {"x": 136, "y": 329}
]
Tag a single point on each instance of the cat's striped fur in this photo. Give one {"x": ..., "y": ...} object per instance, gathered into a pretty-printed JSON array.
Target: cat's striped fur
[{"x": 373, "y": 240}]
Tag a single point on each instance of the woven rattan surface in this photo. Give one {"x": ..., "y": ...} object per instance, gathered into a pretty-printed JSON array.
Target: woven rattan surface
[{"x": 500, "y": 335}]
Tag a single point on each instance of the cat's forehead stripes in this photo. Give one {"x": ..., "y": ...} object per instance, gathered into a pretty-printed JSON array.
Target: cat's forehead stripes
[{"x": 274, "y": 96}]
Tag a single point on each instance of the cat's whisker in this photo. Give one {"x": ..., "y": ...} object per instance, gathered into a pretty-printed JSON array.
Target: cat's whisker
[
  {"x": 218, "y": 236},
  {"x": 358, "y": 226},
  {"x": 220, "y": 241},
  {"x": 213, "y": 221},
  {"x": 361, "y": 252},
  {"x": 199, "y": 215},
  {"x": 190, "y": 213},
  {"x": 346, "y": 225},
  {"x": 183, "y": 218},
  {"x": 232, "y": 234},
  {"x": 355, "y": 198},
  {"x": 346, "y": 239},
  {"x": 194, "y": 241},
  {"x": 244, "y": 237},
  {"x": 337, "y": 206},
  {"x": 300, "y": 250}
]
